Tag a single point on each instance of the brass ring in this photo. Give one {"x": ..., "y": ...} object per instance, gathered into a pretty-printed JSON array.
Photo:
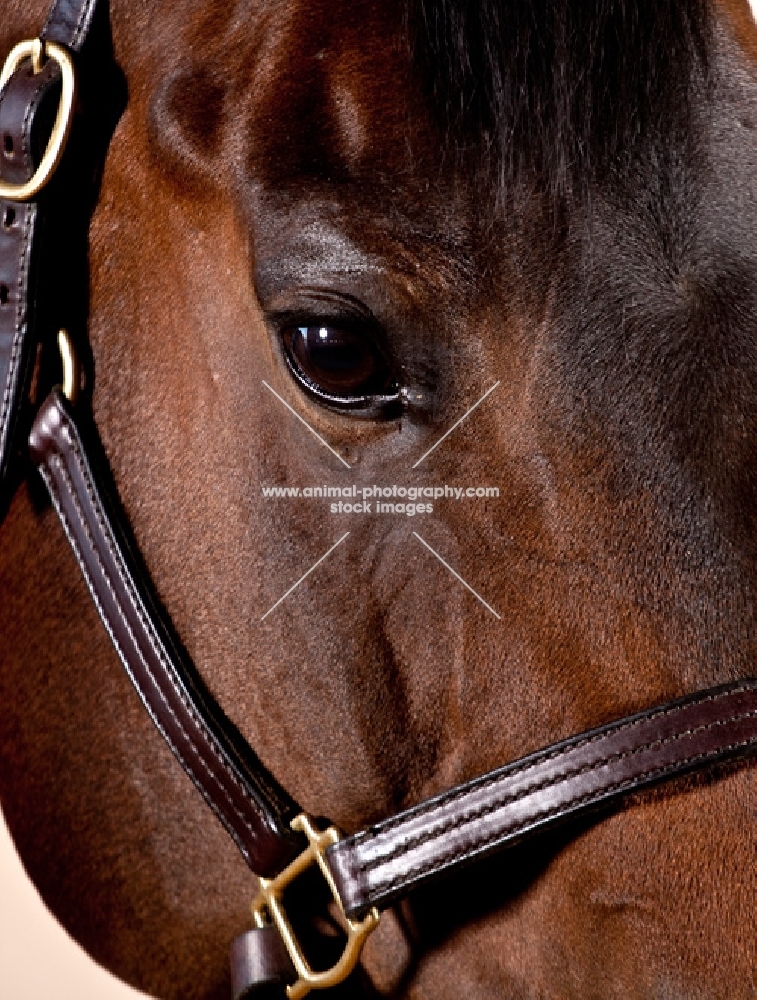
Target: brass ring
[
  {"x": 71, "y": 370},
  {"x": 62, "y": 126}
]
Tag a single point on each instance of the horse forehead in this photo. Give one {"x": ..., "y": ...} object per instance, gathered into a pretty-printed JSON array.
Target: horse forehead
[
  {"x": 330, "y": 92},
  {"x": 288, "y": 104},
  {"x": 337, "y": 142}
]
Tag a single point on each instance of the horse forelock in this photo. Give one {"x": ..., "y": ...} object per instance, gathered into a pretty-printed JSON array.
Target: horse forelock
[
  {"x": 567, "y": 90},
  {"x": 555, "y": 95}
]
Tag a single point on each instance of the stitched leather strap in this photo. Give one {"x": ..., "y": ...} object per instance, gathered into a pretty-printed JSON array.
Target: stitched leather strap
[
  {"x": 244, "y": 796},
  {"x": 20, "y": 226},
  {"x": 384, "y": 862},
  {"x": 249, "y": 802},
  {"x": 503, "y": 807},
  {"x": 583, "y": 774},
  {"x": 24, "y": 128},
  {"x": 69, "y": 22}
]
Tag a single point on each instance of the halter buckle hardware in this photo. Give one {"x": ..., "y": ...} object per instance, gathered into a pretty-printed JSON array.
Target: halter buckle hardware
[
  {"x": 269, "y": 902},
  {"x": 36, "y": 50},
  {"x": 70, "y": 364}
]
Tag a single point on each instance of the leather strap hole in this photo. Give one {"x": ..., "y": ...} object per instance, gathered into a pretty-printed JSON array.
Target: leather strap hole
[
  {"x": 9, "y": 217},
  {"x": 5, "y": 295},
  {"x": 8, "y": 146}
]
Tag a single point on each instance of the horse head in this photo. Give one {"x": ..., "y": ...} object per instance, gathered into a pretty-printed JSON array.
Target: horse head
[{"x": 326, "y": 235}]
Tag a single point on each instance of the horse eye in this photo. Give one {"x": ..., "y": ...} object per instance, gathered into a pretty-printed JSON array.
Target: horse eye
[{"x": 338, "y": 363}]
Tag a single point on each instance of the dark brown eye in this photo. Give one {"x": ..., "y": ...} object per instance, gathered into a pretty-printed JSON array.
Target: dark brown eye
[{"x": 340, "y": 364}]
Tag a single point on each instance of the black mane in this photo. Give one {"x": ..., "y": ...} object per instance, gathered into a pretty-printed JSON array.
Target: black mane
[{"x": 565, "y": 88}]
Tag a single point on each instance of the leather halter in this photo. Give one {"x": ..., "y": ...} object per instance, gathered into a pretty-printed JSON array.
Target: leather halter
[{"x": 370, "y": 870}]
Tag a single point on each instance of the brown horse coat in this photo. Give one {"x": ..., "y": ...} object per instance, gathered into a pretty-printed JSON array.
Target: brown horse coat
[{"x": 282, "y": 161}]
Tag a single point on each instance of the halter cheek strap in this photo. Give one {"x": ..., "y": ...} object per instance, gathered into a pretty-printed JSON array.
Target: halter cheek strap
[
  {"x": 255, "y": 810},
  {"x": 589, "y": 773},
  {"x": 21, "y": 99}
]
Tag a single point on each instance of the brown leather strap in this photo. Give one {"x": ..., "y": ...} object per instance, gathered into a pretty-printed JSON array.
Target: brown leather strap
[
  {"x": 375, "y": 867},
  {"x": 382, "y": 863},
  {"x": 27, "y": 106},
  {"x": 20, "y": 103},
  {"x": 69, "y": 22},
  {"x": 247, "y": 799},
  {"x": 255, "y": 810},
  {"x": 503, "y": 807},
  {"x": 260, "y": 964}
]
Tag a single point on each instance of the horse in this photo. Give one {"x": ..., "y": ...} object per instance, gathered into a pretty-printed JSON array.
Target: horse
[{"x": 549, "y": 203}]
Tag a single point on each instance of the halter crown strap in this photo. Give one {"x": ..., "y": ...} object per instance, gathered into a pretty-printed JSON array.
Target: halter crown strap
[
  {"x": 26, "y": 121},
  {"x": 68, "y": 23},
  {"x": 21, "y": 99}
]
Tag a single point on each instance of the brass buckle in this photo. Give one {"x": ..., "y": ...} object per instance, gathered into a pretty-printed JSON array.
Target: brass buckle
[
  {"x": 268, "y": 901},
  {"x": 36, "y": 50}
]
